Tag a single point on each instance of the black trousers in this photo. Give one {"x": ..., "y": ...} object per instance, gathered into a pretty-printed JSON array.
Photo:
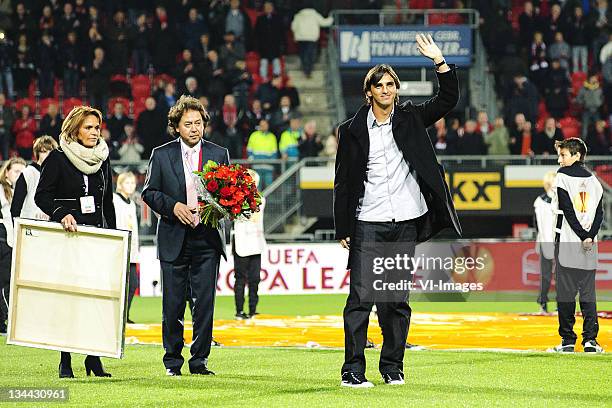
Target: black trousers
[
  {"x": 374, "y": 239},
  {"x": 134, "y": 283},
  {"x": 546, "y": 266},
  {"x": 198, "y": 266},
  {"x": 571, "y": 282},
  {"x": 247, "y": 270},
  {"x": 5, "y": 274}
]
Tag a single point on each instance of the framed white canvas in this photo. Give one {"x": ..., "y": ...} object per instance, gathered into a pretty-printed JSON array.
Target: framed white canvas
[{"x": 68, "y": 290}]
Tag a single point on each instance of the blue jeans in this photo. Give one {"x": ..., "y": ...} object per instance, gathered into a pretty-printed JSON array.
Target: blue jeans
[
  {"x": 7, "y": 76},
  {"x": 308, "y": 55},
  {"x": 263, "y": 68}
]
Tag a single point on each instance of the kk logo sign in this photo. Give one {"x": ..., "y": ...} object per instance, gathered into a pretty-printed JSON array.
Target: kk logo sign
[
  {"x": 476, "y": 191},
  {"x": 355, "y": 46}
]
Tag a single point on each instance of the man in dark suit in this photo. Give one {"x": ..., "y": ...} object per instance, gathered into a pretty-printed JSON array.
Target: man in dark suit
[
  {"x": 388, "y": 189},
  {"x": 189, "y": 252}
]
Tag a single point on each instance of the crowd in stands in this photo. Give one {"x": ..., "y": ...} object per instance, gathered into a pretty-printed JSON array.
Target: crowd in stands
[
  {"x": 552, "y": 62},
  {"x": 133, "y": 59}
]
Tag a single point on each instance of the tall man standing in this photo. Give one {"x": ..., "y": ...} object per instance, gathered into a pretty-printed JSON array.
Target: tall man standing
[
  {"x": 189, "y": 252},
  {"x": 388, "y": 189}
]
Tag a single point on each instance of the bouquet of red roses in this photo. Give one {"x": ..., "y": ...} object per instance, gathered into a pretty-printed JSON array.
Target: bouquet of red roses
[{"x": 226, "y": 191}]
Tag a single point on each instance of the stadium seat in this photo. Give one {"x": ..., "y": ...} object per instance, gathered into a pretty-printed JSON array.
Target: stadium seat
[
  {"x": 578, "y": 79},
  {"x": 70, "y": 103},
  {"x": 44, "y": 105},
  {"x": 542, "y": 111},
  {"x": 165, "y": 77},
  {"x": 141, "y": 86},
  {"x": 604, "y": 171},
  {"x": 119, "y": 86},
  {"x": 138, "y": 106},
  {"x": 253, "y": 14},
  {"x": 570, "y": 127},
  {"x": 540, "y": 123},
  {"x": 32, "y": 89},
  {"x": 25, "y": 101}
]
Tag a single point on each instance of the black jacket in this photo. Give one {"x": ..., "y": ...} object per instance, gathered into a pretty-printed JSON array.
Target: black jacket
[
  {"x": 62, "y": 184},
  {"x": 409, "y": 131},
  {"x": 165, "y": 186}
]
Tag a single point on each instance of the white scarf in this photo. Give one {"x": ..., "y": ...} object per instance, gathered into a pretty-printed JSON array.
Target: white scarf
[{"x": 87, "y": 159}]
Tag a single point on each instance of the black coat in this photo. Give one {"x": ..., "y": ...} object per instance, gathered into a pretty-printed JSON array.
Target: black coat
[
  {"x": 409, "y": 131},
  {"x": 62, "y": 184},
  {"x": 165, "y": 186}
]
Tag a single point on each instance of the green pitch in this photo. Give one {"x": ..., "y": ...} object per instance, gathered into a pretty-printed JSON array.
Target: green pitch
[
  {"x": 277, "y": 377},
  {"x": 288, "y": 377}
]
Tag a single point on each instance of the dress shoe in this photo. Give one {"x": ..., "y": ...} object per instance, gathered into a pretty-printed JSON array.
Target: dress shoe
[
  {"x": 130, "y": 321},
  {"x": 65, "y": 371},
  {"x": 93, "y": 363},
  {"x": 173, "y": 372},
  {"x": 253, "y": 314},
  {"x": 202, "y": 371}
]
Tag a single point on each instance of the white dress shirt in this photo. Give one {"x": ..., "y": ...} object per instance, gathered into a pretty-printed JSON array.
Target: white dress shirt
[{"x": 391, "y": 189}]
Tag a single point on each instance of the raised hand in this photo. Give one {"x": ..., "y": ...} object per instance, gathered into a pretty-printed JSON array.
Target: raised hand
[{"x": 428, "y": 48}]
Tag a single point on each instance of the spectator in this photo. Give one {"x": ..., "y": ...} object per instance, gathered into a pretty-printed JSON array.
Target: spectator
[
  {"x": 452, "y": 137},
  {"x": 560, "y": 50},
  {"x": 167, "y": 99},
  {"x": 598, "y": 139},
  {"x": 240, "y": 80},
  {"x": 200, "y": 52},
  {"x": 527, "y": 24},
  {"x": 228, "y": 120},
  {"x": 578, "y": 40},
  {"x": 23, "y": 72},
  {"x": 213, "y": 135},
  {"x": 292, "y": 92},
  {"x": 192, "y": 29},
  {"x": 270, "y": 36},
  {"x": 553, "y": 24},
  {"x": 51, "y": 122},
  {"x": 437, "y": 135},
  {"x": 231, "y": 52},
  {"x": 606, "y": 51},
  {"x": 141, "y": 46},
  {"x": 7, "y": 118},
  {"x": 290, "y": 140},
  {"x": 280, "y": 118},
  {"x": 330, "y": 146},
  {"x": 118, "y": 36},
  {"x": 522, "y": 98},
  {"x": 310, "y": 144},
  {"x": 94, "y": 40},
  {"x": 516, "y": 133},
  {"x": 47, "y": 20},
  {"x": 269, "y": 94},
  {"x": 45, "y": 65},
  {"x": 498, "y": 139},
  {"x": 131, "y": 149},
  {"x": 151, "y": 127},
  {"x": 24, "y": 129},
  {"x": 67, "y": 22},
  {"x": 165, "y": 41},
  {"x": 484, "y": 127},
  {"x": 116, "y": 123},
  {"x": 113, "y": 146},
  {"x": 599, "y": 17},
  {"x": 72, "y": 66},
  {"x": 544, "y": 141},
  {"x": 262, "y": 145},
  {"x": 470, "y": 141},
  {"x": 306, "y": 26},
  {"x": 214, "y": 78},
  {"x": 538, "y": 65},
  {"x": 590, "y": 97},
  {"x": 98, "y": 79},
  {"x": 556, "y": 91},
  {"x": 255, "y": 115},
  {"x": 192, "y": 88},
  {"x": 22, "y": 23},
  {"x": 237, "y": 21},
  {"x": 185, "y": 69},
  {"x": 6, "y": 69}
]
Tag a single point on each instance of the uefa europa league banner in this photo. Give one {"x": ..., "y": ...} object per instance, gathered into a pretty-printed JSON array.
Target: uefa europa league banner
[
  {"x": 451, "y": 266},
  {"x": 365, "y": 46}
]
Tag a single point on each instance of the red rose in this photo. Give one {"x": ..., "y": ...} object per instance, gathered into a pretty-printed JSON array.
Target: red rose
[
  {"x": 225, "y": 192},
  {"x": 212, "y": 186},
  {"x": 236, "y": 209}
]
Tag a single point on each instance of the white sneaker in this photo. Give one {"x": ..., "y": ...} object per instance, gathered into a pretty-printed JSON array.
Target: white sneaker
[
  {"x": 355, "y": 380},
  {"x": 568, "y": 348},
  {"x": 592, "y": 346}
]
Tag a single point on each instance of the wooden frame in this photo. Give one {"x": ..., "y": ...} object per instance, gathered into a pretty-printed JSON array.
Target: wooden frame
[{"x": 69, "y": 290}]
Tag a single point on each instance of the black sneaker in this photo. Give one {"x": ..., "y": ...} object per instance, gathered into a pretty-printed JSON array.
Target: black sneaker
[
  {"x": 253, "y": 314},
  {"x": 241, "y": 316},
  {"x": 2, "y": 329},
  {"x": 355, "y": 380},
  {"x": 393, "y": 378},
  {"x": 592, "y": 346}
]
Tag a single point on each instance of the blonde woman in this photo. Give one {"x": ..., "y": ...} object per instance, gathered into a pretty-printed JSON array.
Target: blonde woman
[
  {"x": 125, "y": 211},
  {"x": 9, "y": 172},
  {"x": 76, "y": 187}
]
